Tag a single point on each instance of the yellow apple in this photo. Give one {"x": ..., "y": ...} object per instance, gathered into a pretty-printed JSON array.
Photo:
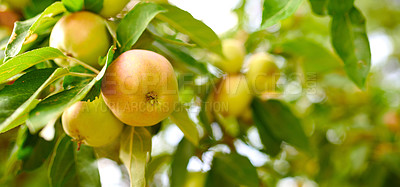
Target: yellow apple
[
  {"x": 233, "y": 96},
  {"x": 91, "y": 123},
  {"x": 234, "y": 53},
  {"x": 262, "y": 73}
]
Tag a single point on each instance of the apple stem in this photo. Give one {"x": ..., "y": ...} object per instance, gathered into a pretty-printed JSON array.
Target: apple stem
[
  {"x": 79, "y": 145},
  {"x": 87, "y": 66},
  {"x": 78, "y": 142}
]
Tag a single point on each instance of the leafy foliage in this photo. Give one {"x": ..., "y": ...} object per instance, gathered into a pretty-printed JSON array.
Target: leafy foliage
[{"x": 72, "y": 167}]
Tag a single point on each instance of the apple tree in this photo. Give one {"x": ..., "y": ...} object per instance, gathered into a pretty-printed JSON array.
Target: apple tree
[{"x": 152, "y": 92}]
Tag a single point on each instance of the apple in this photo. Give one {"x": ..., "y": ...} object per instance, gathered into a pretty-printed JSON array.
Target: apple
[
  {"x": 111, "y": 7},
  {"x": 91, "y": 123},
  {"x": 140, "y": 88},
  {"x": 262, "y": 73},
  {"x": 232, "y": 96},
  {"x": 82, "y": 35},
  {"x": 234, "y": 53}
]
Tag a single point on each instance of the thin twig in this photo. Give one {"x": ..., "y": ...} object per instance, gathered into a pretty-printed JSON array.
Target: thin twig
[
  {"x": 87, "y": 66},
  {"x": 81, "y": 74}
]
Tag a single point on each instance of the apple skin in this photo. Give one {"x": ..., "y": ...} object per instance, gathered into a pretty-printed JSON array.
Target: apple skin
[
  {"x": 233, "y": 96},
  {"x": 140, "y": 88},
  {"x": 262, "y": 73},
  {"x": 83, "y": 35},
  {"x": 91, "y": 123},
  {"x": 234, "y": 53},
  {"x": 112, "y": 7}
]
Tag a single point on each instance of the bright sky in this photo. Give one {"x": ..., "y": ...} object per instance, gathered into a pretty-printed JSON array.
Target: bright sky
[{"x": 216, "y": 14}]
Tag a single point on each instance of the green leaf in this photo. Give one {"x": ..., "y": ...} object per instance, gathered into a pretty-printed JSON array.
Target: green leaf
[
  {"x": 319, "y": 6},
  {"x": 96, "y": 88},
  {"x": 276, "y": 10},
  {"x": 32, "y": 149},
  {"x": 23, "y": 61},
  {"x": 155, "y": 164},
  {"x": 19, "y": 98},
  {"x": 350, "y": 41},
  {"x": 53, "y": 106},
  {"x": 315, "y": 57},
  {"x": 272, "y": 144},
  {"x": 181, "y": 58},
  {"x": 185, "y": 23},
  {"x": 181, "y": 118},
  {"x": 135, "y": 22},
  {"x": 180, "y": 161},
  {"x": 19, "y": 35},
  {"x": 94, "y": 5},
  {"x": 38, "y": 8},
  {"x": 70, "y": 167},
  {"x": 205, "y": 114},
  {"x": 236, "y": 168},
  {"x": 71, "y": 80},
  {"x": 134, "y": 153},
  {"x": 73, "y": 5},
  {"x": 24, "y": 30},
  {"x": 279, "y": 119},
  {"x": 340, "y": 7},
  {"x": 215, "y": 179}
]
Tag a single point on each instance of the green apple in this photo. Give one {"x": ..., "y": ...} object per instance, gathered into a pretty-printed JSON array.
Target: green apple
[
  {"x": 262, "y": 73},
  {"x": 112, "y": 7},
  {"x": 82, "y": 35},
  {"x": 232, "y": 96},
  {"x": 234, "y": 53},
  {"x": 91, "y": 123},
  {"x": 140, "y": 88}
]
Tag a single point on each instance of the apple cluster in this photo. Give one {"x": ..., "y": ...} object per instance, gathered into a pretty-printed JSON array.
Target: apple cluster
[
  {"x": 241, "y": 81},
  {"x": 139, "y": 87}
]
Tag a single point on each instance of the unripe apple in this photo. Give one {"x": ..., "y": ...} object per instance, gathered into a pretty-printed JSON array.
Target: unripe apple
[
  {"x": 91, "y": 123},
  {"x": 233, "y": 95},
  {"x": 82, "y": 35},
  {"x": 112, "y": 7},
  {"x": 234, "y": 52},
  {"x": 140, "y": 88},
  {"x": 262, "y": 73}
]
